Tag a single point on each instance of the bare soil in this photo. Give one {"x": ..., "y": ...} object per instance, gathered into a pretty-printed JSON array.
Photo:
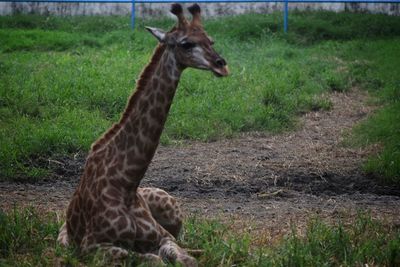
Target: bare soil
[{"x": 256, "y": 181}]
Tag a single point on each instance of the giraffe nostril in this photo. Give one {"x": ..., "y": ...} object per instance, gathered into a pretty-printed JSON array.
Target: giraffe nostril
[{"x": 220, "y": 62}]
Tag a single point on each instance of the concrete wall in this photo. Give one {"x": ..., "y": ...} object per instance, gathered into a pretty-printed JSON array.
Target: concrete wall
[{"x": 154, "y": 10}]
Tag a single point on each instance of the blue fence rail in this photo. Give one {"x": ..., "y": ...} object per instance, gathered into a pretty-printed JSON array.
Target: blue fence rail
[{"x": 285, "y": 4}]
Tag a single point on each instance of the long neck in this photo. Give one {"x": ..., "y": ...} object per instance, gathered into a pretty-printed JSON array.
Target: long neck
[{"x": 137, "y": 135}]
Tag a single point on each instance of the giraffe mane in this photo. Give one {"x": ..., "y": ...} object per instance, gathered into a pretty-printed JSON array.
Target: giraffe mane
[{"x": 145, "y": 76}]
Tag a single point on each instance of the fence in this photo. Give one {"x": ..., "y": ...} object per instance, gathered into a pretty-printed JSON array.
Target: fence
[{"x": 285, "y": 4}]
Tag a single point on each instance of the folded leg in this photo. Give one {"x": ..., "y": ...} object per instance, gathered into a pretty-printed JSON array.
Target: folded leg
[
  {"x": 164, "y": 209},
  {"x": 170, "y": 252}
]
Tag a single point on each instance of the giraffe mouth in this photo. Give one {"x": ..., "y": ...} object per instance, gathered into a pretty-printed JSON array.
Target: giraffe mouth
[{"x": 221, "y": 72}]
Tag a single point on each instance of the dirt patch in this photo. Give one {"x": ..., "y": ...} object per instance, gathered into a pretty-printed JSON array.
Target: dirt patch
[{"x": 268, "y": 180}]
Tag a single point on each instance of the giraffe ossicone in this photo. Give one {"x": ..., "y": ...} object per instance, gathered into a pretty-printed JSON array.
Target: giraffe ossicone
[{"x": 109, "y": 211}]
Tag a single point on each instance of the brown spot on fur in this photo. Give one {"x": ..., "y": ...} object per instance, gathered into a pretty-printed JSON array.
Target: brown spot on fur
[
  {"x": 113, "y": 202},
  {"x": 151, "y": 98},
  {"x": 155, "y": 82},
  {"x": 89, "y": 170},
  {"x": 112, "y": 171},
  {"x": 133, "y": 172},
  {"x": 111, "y": 233},
  {"x": 113, "y": 192},
  {"x": 140, "y": 146},
  {"x": 100, "y": 171},
  {"x": 121, "y": 157},
  {"x": 144, "y": 124},
  {"x": 152, "y": 236},
  {"x": 139, "y": 213},
  {"x": 128, "y": 235},
  {"x": 122, "y": 223},
  {"x": 155, "y": 115},
  {"x": 111, "y": 213},
  {"x": 100, "y": 205},
  {"x": 118, "y": 183},
  {"x": 131, "y": 142},
  {"x": 120, "y": 140},
  {"x": 135, "y": 130},
  {"x": 160, "y": 98},
  {"x": 139, "y": 232},
  {"x": 171, "y": 213},
  {"x": 74, "y": 219},
  {"x": 104, "y": 224},
  {"x": 159, "y": 209},
  {"x": 128, "y": 127},
  {"x": 142, "y": 225},
  {"x": 144, "y": 105},
  {"x": 155, "y": 134},
  {"x": 162, "y": 192},
  {"x": 89, "y": 204},
  {"x": 102, "y": 184}
]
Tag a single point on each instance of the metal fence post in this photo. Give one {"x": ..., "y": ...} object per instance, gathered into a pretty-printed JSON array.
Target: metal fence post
[
  {"x": 285, "y": 16},
  {"x": 133, "y": 14}
]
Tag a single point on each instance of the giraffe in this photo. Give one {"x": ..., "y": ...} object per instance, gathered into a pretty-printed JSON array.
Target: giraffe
[{"x": 108, "y": 210}]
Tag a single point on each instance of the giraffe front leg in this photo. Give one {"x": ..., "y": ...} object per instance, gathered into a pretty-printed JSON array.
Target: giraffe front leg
[
  {"x": 62, "y": 238},
  {"x": 170, "y": 252}
]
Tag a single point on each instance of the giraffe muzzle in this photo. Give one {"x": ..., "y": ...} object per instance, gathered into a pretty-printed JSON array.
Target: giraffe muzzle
[
  {"x": 221, "y": 72},
  {"x": 220, "y": 68}
]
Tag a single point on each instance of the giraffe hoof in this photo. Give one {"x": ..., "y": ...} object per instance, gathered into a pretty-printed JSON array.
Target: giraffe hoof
[{"x": 195, "y": 252}]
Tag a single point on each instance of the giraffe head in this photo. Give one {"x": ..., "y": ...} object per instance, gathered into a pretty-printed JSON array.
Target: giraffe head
[{"x": 190, "y": 44}]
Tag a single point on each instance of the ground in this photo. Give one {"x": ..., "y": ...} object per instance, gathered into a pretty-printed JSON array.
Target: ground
[{"x": 259, "y": 180}]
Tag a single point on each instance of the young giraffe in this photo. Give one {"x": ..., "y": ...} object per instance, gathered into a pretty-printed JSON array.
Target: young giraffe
[{"x": 108, "y": 210}]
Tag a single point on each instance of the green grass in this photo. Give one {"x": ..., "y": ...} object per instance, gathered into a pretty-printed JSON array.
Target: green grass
[
  {"x": 28, "y": 238},
  {"x": 383, "y": 128},
  {"x": 376, "y": 68},
  {"x": 65, "y": 80}
]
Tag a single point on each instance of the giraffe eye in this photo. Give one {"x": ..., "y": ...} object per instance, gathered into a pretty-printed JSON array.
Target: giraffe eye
[{"x": 187, "y": 45}]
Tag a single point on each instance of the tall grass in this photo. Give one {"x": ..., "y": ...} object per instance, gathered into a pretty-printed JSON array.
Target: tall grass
[
  {"x": 66, "y": 80},
  {"x": 27, "y": 238}
]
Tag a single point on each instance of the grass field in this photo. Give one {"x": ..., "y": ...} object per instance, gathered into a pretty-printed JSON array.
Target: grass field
[
  {"x": 27, "y": 238},
  {"x": 63, "y": 81}
]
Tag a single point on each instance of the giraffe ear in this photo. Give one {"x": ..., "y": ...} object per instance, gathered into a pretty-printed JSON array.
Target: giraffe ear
[{"x": 159, "y": 34}]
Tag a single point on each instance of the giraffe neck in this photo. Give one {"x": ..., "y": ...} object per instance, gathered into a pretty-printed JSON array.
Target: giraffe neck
[{"x": 138, "y": 133}]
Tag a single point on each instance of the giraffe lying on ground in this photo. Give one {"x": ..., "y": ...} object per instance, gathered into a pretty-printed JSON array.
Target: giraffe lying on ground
[
  {"x": 163, "y": 207},
  {"x": 109, "y": 211}
]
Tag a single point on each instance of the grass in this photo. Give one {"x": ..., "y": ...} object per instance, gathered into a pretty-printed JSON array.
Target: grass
[
  {"x": 28, "y": 238},
  {"x": 379, "y": 73},
  {"x": 65, "y": 80},
  {"x": 383, "y": 127}
]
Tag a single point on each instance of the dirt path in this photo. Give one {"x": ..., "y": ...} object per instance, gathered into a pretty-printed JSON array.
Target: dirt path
[{"x": 267, "y": 181}]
